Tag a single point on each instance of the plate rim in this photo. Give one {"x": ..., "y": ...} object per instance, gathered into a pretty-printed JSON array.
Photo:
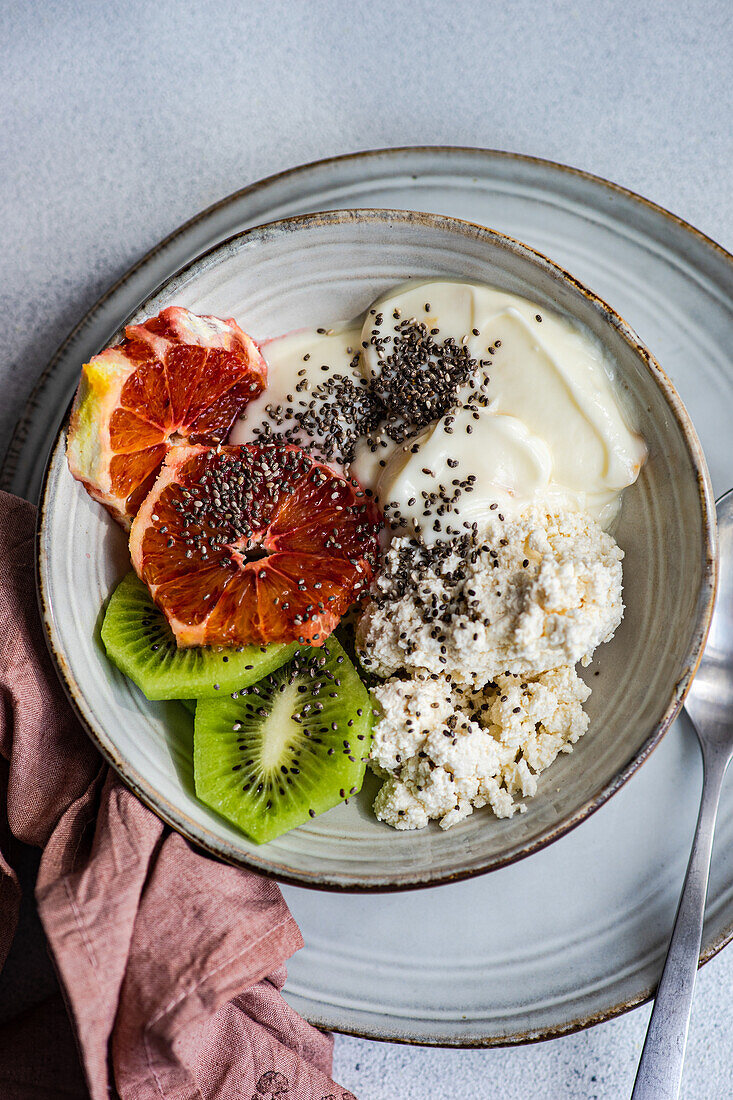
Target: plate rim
[
  {"x": 484, "y": 156},
  {"x": 668, "y": 707},
  {"x": 11, "y": 455}
]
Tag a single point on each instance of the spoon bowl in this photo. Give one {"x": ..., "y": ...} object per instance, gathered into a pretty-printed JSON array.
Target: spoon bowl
[{"x": 710, "y": 699}]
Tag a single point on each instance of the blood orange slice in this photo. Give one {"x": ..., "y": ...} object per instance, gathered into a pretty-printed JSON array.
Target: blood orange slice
[
  {"x": 253, "y": 544},
  {"x": 176, "y": 377}
]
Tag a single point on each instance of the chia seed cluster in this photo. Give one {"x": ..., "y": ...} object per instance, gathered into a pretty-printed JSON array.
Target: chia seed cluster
[
  {"x": 334, "y": 416},
  {"x": 222, "y": 506},
  {"x": 230, "y": 494},
  {"x": 420, "y": 381},
  {"x": 420, "y": 376},
  {"x": 414, "y": 566}
]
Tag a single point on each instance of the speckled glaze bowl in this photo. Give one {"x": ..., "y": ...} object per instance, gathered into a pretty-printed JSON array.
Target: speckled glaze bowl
[{"x": 322, "y": 268}]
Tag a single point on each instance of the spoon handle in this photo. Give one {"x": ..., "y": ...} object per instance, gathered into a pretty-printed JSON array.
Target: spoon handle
[{"x": 660, "y": 1068}]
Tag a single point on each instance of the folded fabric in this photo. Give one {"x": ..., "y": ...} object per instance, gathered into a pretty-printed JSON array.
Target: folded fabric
[{"x": 171, "y": 963}]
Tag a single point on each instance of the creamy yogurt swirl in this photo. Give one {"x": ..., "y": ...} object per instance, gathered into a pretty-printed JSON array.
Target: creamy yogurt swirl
[{"x": 538, "y": 423}]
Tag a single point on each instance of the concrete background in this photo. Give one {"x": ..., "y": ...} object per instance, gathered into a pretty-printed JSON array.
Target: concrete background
[{"x": 119, "y": 121}]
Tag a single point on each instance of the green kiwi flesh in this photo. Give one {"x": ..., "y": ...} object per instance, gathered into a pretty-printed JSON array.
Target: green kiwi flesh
[
  {"x": 140, "y": 642},
  {"x": 287, "y": 748}
]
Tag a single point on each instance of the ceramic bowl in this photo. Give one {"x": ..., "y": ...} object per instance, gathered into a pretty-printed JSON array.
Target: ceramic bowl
[{"x": 321, "y": 268}]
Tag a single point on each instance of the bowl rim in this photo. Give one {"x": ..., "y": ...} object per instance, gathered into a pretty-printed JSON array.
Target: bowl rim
[{"x": 200, "y": 835}]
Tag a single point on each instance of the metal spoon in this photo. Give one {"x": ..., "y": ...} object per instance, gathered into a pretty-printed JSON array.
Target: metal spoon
[{"x": 710, "y": 706}]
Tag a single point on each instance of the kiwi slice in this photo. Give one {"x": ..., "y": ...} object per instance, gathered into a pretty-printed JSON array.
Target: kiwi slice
[
  {"x": 345, "y": 634},
  {"x": 139, "y": 641},
  {"x": 287, "y": 748}
]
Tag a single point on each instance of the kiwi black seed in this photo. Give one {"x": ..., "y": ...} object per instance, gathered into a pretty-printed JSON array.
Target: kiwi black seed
[
  {"x": 274, "y": 757},
  {"x": 140, "y": 642}
]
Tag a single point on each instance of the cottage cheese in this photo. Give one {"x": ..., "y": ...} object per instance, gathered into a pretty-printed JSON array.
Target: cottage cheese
[
  {"x": 524, "y": 596},
  {"x": 445, "y": 751}
]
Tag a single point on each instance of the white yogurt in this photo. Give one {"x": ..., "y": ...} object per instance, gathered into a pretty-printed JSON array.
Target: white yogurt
[
  {"x": 553, "y": 432},
  {"x": 297, "y": 365}
]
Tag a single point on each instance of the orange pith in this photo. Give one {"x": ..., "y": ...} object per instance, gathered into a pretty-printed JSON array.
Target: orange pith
[
  {"x": 177, "y": 377},
  {"x": 253, "y": 544}
]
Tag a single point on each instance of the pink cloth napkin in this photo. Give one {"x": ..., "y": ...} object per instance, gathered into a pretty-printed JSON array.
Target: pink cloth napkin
[{"x": 171, "y": 964}]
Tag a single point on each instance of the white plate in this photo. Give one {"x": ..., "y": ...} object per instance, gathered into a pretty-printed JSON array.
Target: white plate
[{"x": 577, "y": 932}]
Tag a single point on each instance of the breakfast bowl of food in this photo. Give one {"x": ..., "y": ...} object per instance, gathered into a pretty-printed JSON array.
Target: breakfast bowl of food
[{"x": 376, "y": 551}]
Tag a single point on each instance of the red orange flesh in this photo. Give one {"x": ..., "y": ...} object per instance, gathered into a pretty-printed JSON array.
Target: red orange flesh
[
  {"x": 253, "y": 544},
  {"x": 176, "y": 377}
]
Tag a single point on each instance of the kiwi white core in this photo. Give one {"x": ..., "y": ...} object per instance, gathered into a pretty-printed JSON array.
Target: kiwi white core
[{"x": 280, "y": 731}]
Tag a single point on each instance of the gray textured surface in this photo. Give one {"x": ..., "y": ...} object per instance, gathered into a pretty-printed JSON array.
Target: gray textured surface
[{"x": 120, "y": 121}]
